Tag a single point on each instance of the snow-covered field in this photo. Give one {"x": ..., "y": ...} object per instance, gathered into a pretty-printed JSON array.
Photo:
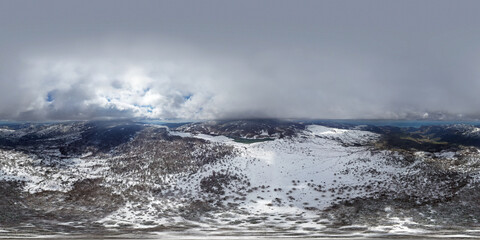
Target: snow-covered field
[
  {"x": 289, "y": 181},
  {"x": 289, "y": 186}
]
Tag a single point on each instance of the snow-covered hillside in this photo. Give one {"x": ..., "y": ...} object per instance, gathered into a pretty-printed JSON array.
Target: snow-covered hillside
[{"x": 315, "y": 180}]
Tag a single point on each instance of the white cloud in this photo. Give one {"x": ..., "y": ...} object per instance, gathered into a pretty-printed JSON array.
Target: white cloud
[{"x": 318, "y": 59}]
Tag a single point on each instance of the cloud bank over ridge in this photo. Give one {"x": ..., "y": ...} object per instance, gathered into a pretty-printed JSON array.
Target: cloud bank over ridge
[{"x": 202, "y": 60}]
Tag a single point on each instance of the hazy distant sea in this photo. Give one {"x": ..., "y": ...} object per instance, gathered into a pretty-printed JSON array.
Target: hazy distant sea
[
  {"x": 328, "y": 122},
  {"x": 394, "y": 123}
]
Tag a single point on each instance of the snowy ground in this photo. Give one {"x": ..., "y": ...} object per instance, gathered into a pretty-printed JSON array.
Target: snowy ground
[
  {"x": 290, "y": 181},
  {"x": 281, "y": 187}
]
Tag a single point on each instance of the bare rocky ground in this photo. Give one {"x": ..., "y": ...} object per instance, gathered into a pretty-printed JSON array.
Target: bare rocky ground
[{"x": 268, "y": 178}]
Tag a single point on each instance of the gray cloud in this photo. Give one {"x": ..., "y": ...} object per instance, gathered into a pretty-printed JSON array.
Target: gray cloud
[{"x": 225, "y": 59}]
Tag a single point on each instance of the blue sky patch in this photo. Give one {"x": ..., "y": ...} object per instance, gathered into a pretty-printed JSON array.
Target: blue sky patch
[
  {"x": 50, "y": 96},
  {"x": 187, "y": 97}
]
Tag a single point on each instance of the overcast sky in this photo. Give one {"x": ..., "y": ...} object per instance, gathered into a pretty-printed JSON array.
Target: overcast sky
[{"x": 73, "y": 60}]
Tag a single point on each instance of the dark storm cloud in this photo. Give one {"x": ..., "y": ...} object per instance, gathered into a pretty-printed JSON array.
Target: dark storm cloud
[{"x": 225, "y": 59}]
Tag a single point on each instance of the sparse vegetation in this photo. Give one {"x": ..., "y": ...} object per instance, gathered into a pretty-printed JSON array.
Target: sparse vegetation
[{"x": 137, "y": 175}]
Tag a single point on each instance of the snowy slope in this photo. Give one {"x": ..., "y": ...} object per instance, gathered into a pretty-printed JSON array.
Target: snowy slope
[
  {"x": 281, "y": 179},
  {"x": 313, "y": 181}
]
